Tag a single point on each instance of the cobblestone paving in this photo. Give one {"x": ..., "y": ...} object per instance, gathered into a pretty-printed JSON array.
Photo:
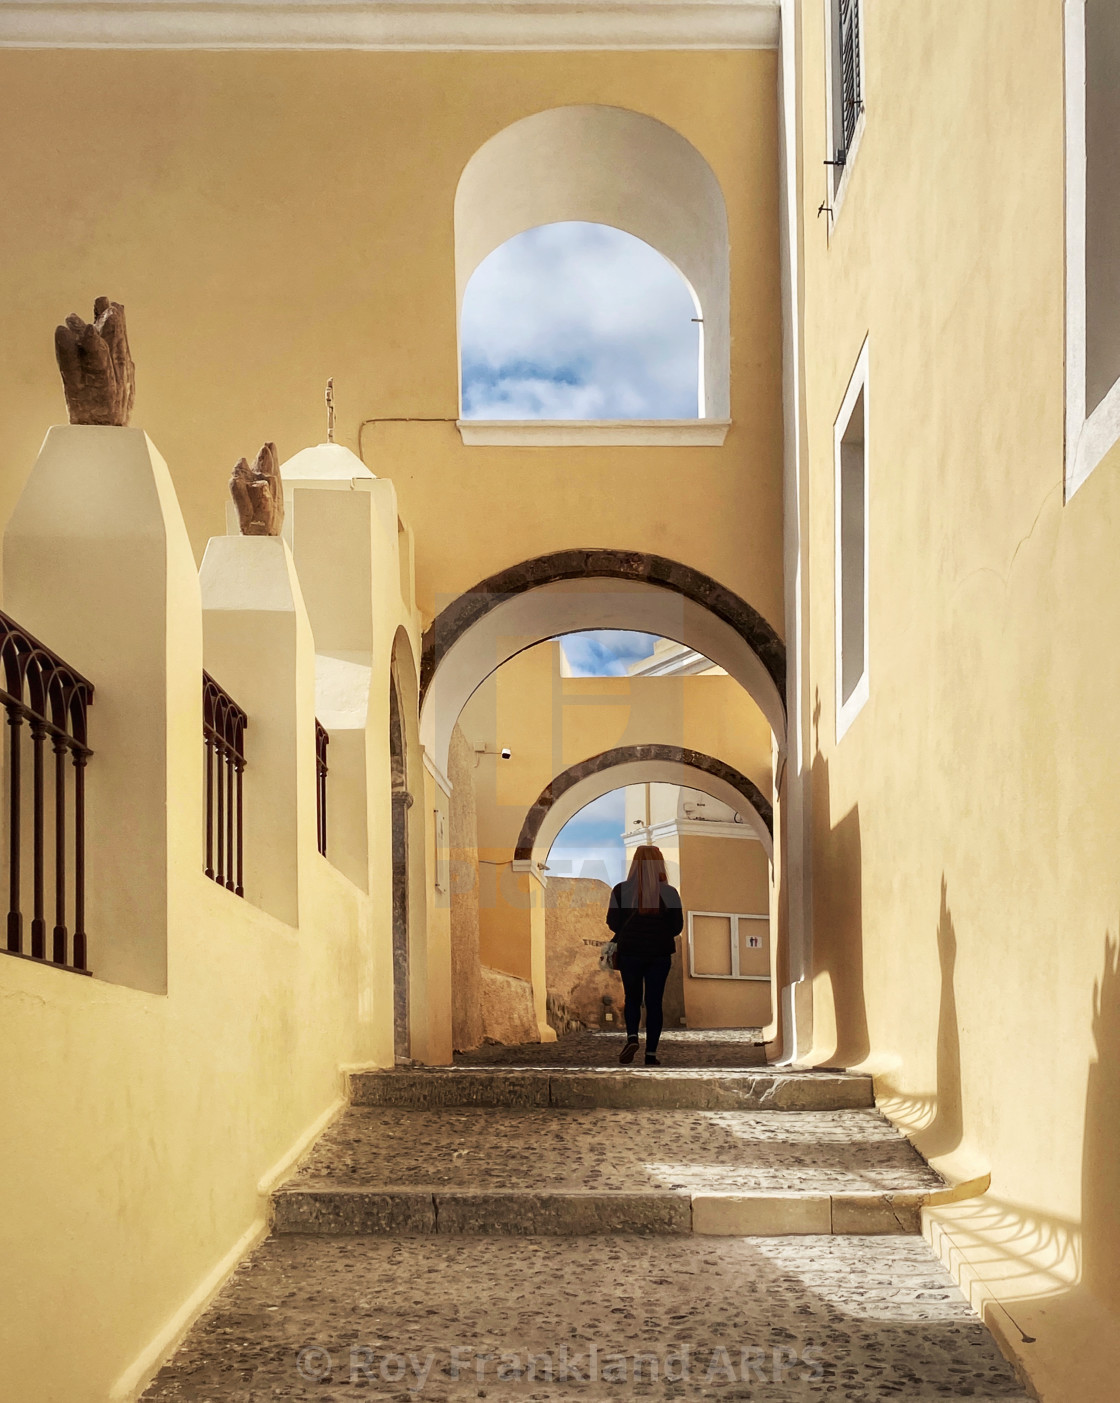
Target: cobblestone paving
[
  {"x": 623, "y": 1151},
  {"x": 793, "y": 1320},
  {"x": 685, "y": 1047}
]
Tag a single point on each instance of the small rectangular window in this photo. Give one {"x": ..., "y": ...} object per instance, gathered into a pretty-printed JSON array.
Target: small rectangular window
[
  {"x": 1102, "y": 199},
  {"x": 847, "y": 76},
  {"x": 1092, "y": 236},
  {"x": 845, "y": 90},
  {"x": 852, "y": 549}
]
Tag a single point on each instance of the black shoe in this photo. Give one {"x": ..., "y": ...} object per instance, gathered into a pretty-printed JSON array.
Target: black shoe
[
  {"x": 630, "y": 1051},
  {"x": 651, "y": 1060}
]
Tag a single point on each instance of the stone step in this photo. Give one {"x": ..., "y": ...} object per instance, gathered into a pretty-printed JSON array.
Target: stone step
[
  {"x": 793, "y": 1319},
  {"x": 629, "y": 1088},
  {"x": 552, "y": 1171},
  {"x": 581, "y": 1213}
]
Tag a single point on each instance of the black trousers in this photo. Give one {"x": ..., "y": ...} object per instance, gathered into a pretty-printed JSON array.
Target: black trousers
[{"x": 644, "y": 974}]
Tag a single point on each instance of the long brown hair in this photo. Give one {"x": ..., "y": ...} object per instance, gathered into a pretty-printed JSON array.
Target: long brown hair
[{"x": 646, "y": 877}]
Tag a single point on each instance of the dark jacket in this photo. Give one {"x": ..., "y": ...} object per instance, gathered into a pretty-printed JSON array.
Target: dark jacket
[{"x": 645, "y": 933}]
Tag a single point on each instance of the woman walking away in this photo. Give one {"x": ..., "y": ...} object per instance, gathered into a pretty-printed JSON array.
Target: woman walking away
[{"x": 645, "y": 915}]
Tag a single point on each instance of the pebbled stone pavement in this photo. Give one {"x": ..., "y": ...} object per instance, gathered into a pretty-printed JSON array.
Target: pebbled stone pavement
[
  {"x": 792, "y": 1320},
  {"x": 615, "y": 1151},
  {"x": 683, "y": 1047}
]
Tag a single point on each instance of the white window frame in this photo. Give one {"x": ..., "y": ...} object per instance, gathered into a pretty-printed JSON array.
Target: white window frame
[
  {"x": 847, "y": 711},
  {"x": 734, "y": 917},
  {"x": 838, "y": 177},
  {"x": 1088, "y": 436}
]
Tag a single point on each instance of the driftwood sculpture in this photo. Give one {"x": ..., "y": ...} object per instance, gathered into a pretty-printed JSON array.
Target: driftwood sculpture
[
  {"x": 98, "y": 376},
  {"x": 258, "y": 494}
]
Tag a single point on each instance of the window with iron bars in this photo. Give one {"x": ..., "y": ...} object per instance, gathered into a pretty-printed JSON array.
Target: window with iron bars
[{"x": 847, "y": 82}]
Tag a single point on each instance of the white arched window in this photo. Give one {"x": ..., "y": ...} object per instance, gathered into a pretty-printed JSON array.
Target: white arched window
[
  {"x": 611, "y": 167},
  {"x": 579, "y": 321}
]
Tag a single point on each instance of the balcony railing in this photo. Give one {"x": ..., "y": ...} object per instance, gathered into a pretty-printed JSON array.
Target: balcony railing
[
  {"x": 51, "y": 699},
  {"x": 223, "y": 733},
  {"x": 322, "y": 740}
]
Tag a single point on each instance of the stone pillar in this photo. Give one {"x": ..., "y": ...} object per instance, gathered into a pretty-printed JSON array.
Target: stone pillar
[
  {"x": 402, "y": 1020},
  {"x": 430, "y": 970},
  {"x": 258, "y": 646},
  {"x": 98, "y": 566},
  {"x": 534, "y": 889}
]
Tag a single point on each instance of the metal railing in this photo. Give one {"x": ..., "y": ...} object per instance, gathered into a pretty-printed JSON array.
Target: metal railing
[
  {"x": 223, "y": 733},
  {"x": 322, "y": 740},
  {"x": 44, "y": 692}
]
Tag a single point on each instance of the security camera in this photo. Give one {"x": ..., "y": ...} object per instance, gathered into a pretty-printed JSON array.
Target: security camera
[{"x": 507, "y": 753}]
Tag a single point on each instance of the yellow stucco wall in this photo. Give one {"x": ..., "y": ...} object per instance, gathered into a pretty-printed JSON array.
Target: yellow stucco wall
[
  {"x": 733, "y": 876},
  {"x": 550, "y": 722},
  {"x": 143, "y": 1128},
  {"x": 272, "y": 219},
  {"x": 269, "y": 220},
  {"x": 966, "y": 890}
]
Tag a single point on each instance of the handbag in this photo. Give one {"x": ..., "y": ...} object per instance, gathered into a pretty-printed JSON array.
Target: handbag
[{"x": 608, "y": 955}]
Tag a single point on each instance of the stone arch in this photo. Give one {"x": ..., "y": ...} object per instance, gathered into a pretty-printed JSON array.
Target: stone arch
[
  {"x": 567, "y": 591},
  {"x": 607, "y": 165},
  {"x": 588, "y": 780}
]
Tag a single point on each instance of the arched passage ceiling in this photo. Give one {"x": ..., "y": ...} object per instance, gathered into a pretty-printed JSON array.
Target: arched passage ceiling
[
  {"x": 606, "y": 165},
  {"x": 639, "y": 764},
  {"x": 570, "y": 591}
]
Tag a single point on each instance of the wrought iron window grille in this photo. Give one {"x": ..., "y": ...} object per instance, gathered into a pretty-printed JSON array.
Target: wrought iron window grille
[
  {"x": 223, "y": 732},
  {"x": 322, "y": 740},
  {"x": 52, "y": 699},
  {"x": 849, "y": 87}
]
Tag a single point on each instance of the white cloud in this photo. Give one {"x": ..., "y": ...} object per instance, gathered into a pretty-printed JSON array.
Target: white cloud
[
  {"x": 605, "y": 652},
  {"x": 590, "y": 843},
  {"x": 578, "y": 321}
]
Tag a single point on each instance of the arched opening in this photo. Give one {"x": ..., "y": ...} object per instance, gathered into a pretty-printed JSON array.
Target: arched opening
[
  {"x": 579, "y": 321},
  {"x": 581, "y": 784},
  {"x": 532, "y": 711},
  {"x": 723, "y": 974},
  {"x": 607, "y": 166},
  {"x": 573, "y": 591}
]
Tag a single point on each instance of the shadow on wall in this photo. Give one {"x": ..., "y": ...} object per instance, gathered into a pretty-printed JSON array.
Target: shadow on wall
[
  {"x": 1057, "y": 1281},
  {"x": 1100, "y": 1173},
  {"x": 838, "y": 900},
  {"x": 935, "y": 1121},
  {"x": 946, "y": 1130}
]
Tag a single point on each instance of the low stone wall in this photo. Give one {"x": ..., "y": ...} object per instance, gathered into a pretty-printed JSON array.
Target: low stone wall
[
  {"x": 506, "y": 1006},
  {"x": 575, "y": 929}
]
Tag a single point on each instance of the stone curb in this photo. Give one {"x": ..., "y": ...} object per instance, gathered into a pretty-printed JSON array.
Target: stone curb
[
  {"x": 527, "y": 1088},
  {"x": 405, "y": 1212}
]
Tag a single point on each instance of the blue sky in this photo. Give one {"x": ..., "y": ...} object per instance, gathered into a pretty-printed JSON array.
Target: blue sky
[
  {"x": 578, "y": 321},
  {"x": 605, "y": 652},
  {"x": 590, "y": 844}
]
